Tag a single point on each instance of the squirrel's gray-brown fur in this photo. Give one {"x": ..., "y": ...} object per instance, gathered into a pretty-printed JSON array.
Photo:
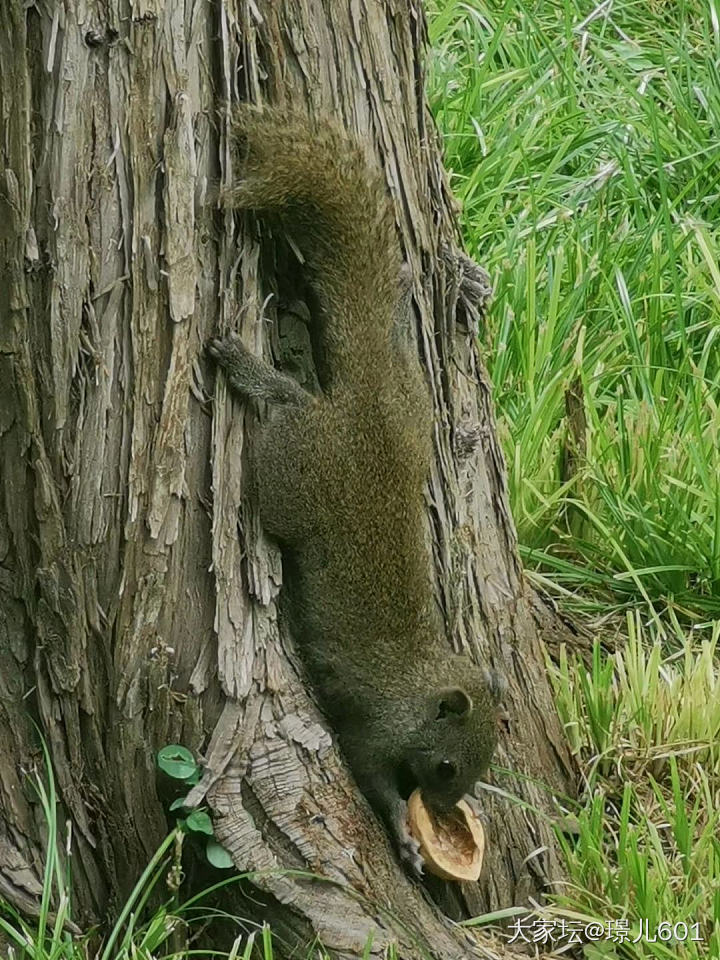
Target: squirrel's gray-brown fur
[{"x": 340, "y": 480}]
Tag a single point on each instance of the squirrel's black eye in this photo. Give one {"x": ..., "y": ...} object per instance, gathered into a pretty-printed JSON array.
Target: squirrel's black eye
[{"x": 445, "y": 770}]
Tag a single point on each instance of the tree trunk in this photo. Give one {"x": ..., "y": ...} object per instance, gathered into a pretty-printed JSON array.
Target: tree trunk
[{"x": 138, "y": 593}]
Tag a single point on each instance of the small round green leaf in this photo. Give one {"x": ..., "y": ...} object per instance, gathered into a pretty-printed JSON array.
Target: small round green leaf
[
  {"x": 177, "y": 762},
  {"x": 199, "y": 822},
  {"x": 218, "y": 856},
  {"x": 178, "y": 804}
]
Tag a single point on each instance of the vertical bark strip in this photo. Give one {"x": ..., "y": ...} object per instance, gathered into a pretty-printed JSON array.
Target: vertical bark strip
[{"x": 138, "y": 596}]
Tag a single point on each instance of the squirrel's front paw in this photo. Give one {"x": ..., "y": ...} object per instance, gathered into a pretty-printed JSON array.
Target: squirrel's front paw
[
  {"x": 408, "y": 846},
  {"x": 410, "y": 855}
]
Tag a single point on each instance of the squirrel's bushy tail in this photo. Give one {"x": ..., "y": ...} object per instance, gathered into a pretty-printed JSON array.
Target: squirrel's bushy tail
[{"x": 320, "y": 186}]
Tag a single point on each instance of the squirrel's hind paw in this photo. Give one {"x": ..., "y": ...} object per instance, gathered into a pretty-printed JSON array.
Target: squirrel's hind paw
[
  {"x": 228, "y": 352},
  {"x": 251, "y": 377},
  {"x": 216, "y": 348}
]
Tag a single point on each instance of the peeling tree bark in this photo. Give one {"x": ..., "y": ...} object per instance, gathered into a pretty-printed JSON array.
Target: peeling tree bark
[{"x": 138, "y": 593}]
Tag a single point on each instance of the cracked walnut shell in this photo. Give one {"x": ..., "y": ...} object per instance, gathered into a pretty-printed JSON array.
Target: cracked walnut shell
[{"x": 451, "y": 844}]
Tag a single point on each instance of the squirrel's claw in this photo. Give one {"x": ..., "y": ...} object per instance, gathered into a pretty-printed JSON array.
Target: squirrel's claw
[
  {"x": 224, "y": 349},
  {"x": 408, "y": 846},
  {"x": 410, "y": 855}
]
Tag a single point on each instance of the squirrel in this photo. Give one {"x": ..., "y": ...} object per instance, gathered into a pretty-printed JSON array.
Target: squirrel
[{"x": 340, "y": 479}]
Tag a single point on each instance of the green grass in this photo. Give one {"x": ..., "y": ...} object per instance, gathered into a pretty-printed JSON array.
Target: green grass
[
  {"x": 646, "y": 842},
  {"x": 153, "y": 923},
  {"x": 141, "y": 932},
  {"x": 587, "y": 162},
  {"x": 583, "y": 142}
]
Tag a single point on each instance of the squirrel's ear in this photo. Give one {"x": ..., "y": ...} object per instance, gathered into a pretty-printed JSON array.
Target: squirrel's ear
[{"x": 452, "y": 700}]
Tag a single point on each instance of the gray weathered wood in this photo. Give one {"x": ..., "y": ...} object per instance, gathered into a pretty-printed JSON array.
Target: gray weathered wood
[{"x": 138, "y": 595}]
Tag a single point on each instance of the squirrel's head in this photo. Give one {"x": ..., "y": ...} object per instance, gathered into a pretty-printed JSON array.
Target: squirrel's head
[{"x": 453, "y": 746}]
